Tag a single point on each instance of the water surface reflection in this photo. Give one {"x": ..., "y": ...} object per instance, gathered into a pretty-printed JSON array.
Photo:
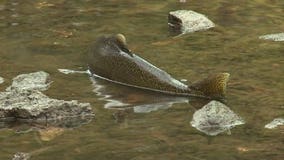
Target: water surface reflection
[{"x": 141, "y": 101}]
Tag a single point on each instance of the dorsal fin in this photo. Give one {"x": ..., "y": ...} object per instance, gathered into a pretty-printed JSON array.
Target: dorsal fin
[{"x": 213, "y": 86}]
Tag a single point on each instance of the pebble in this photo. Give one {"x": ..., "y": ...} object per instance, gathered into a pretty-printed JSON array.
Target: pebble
[
  {"x": 274, "y": 37},
  {"x": 275, "y": 123}
]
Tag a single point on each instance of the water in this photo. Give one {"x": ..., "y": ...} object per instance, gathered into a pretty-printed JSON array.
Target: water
[{"x": 47, "y": 35}]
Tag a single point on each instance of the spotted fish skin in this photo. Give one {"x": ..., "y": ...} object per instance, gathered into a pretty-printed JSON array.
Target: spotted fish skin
[{"x": 111, "y": 59}]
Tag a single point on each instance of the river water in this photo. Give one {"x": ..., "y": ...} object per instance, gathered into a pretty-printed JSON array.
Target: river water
[{"x": 133, "y": 124}]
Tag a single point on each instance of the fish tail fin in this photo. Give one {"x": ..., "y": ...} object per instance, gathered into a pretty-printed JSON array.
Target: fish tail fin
[{"x": 213, "y": 86}]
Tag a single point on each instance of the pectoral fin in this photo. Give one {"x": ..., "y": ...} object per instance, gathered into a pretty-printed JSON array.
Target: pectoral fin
[{"x": 213, "y": 86}]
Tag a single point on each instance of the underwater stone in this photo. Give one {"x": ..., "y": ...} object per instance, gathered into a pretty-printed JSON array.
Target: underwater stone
[
  {"x": 214, "y": 118},
  {"x": 276, "y": 122},
  {"x": 1, "y": 80},
  {"x": 23, "y": 100},
  {"x": 186, "y": 21},
  {"x": 21, "y": 156},
  {"x": 273, "y": 37}
]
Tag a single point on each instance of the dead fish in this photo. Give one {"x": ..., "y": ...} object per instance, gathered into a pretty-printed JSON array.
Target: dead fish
[{"x": 110, "y": 59}]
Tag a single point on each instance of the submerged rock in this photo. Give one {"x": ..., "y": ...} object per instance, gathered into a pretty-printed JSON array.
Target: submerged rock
[
  {"x": 1, "y": 80},
  {"x": 276, "y": 122},
  {"x": 32, "y": 81},
  {"x": 214, "y": 118},
  {"x": 186, "y": 21},
  {"x": 21, "y": 156},
  {"x": 273, "y": 37},
  {"x": 23, "y": 100}
]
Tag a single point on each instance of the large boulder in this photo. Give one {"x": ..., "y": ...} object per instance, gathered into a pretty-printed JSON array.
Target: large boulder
[
  {"x": 32, "y": 104},
  {"x": 23, "y": 100}
]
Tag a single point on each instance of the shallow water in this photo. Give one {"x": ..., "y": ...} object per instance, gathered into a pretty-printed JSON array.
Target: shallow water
[{"x": 47, "y": 35}]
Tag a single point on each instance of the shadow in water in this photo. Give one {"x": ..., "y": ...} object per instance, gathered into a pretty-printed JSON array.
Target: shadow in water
[
  {"x": 24, "y": 125},
  {"x": 122, "y": 97},
  {"x": 210, "y": 117}
]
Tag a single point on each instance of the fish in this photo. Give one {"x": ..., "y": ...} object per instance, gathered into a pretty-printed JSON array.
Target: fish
[{"x": 109, "y": 58}]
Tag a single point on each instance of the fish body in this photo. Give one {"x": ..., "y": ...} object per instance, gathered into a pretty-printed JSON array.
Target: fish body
[{"x": 111, "y": 59}]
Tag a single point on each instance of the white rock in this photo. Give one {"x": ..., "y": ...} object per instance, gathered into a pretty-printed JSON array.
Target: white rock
[
  {"x": 273, "y": 37},
  {"x": 276, "y": 122},
  {"x": 31, "y": 81},
  {"x": 214, "y": 118},
  {"x": 21, "y": 156},
  {"x": 190, "y": 21},
  {"x": 1, "y": 80},
  {"x": 24, "y": 100},
  {"x": 34, "y": 104}
]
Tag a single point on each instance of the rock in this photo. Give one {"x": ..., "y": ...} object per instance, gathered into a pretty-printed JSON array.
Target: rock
[
  {"x": 31, "y": 104},
  {"x": 1, "y": 80},
  {"x": 187, "y": 21},
  {"x": 273, "y": 37},
  {"x": 276, "y": 122},
  {"x": 32, "y": 81},
  {"x": 21, "y": 156},
  {"x": 23, "y": 100},
  {"x": 214, "y": 118}
]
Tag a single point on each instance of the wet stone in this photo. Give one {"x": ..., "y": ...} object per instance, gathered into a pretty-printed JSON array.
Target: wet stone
[
  {"x": 23, "y": 100},
  {"x": 14, "y": 24},
  {"x": 32, "y": 81},
  {"x": 1, "y": 80},
  {"x": 275, "y": 123},
  {"x": 21, "y": 156},
  {"x": 273, "y": 37},
  {"x": 214, "y": 118},
  {"x": 187, "y": 21},
  {"x": 29, "y": 104}
]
